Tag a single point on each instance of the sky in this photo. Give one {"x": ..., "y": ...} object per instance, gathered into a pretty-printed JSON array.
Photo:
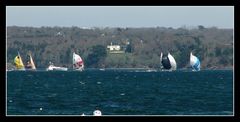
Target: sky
[{"x": 120, "y": 16}]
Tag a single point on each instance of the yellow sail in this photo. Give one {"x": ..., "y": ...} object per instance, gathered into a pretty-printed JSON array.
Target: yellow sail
[{"x": 18, "y": 62}]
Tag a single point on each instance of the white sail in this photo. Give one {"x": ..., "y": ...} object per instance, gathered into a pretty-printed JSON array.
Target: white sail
[
  {"x": 30, "y": 63},
  {"x": 161, "y": 55},
  {"x": 172, "y": 62},
  {"x": 33, "y": 64},
  {"x": 77, "y": 62},
  {"x": 194, "y": 62}
]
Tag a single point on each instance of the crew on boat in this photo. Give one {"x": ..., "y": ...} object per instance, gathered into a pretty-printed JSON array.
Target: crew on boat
[{"x": 28, "y": 65}]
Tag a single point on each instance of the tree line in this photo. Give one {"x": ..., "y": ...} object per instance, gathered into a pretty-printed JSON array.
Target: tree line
[{"x": 212, "y": 45}]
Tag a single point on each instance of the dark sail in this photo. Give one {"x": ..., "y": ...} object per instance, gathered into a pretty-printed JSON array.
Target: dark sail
[
  {"x": 165, "y": 62},
  {"x": 28, "y": 63}
]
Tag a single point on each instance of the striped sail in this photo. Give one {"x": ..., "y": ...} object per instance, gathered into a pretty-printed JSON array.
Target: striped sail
[{"x": 77, "y": 62}]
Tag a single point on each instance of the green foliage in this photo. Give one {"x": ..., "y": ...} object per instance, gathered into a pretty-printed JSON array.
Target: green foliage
[
  {"x": 212, "y": 45},
  {"x": 129, "y": 48},
  {"x": 97, "y": 54},
  {"x": 200, "y": 27}
]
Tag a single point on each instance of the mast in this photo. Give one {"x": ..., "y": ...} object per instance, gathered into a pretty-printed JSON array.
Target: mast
[
  {"x": 161, "y": 60},
  {"x": 73, "y": 60}
]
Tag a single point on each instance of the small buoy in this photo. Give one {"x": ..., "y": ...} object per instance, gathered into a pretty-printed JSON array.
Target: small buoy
[
  {"x": 97, "y": 113},
  {"x": 40, "y": 109},
  {"x": 122, "y": 94},
  {"x": 10, "y": 101}
]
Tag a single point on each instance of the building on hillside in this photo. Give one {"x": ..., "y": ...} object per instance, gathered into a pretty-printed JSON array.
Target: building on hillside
[{"x": 114, "y": 48}]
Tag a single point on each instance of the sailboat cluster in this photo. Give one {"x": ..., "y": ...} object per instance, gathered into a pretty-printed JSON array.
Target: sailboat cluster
[
  {"x": 167, "y": 62},
  {"x": 19, "y": 63},
  {"x": 30, "y": 65}
]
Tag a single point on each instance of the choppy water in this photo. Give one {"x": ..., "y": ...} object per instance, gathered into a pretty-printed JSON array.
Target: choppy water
[{"x": 120, "y": 92}]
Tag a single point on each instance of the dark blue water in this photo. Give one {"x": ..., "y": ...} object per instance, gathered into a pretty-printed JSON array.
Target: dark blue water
[{"x": 120, "y": 92}]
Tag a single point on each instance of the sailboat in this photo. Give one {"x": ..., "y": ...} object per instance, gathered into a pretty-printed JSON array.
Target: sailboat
[
  {"x": 51, "y": 67},
  {"x": 194, "y": 62},
  {"x": 30, "y": 63},
  {"x": 77, "y": 62},
  {"x": 168, "y": 62},
  {"x": 18, "y": 62}
]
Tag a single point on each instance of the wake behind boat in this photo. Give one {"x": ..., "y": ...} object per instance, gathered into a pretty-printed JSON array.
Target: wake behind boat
[{"x": 51, "y": 67}]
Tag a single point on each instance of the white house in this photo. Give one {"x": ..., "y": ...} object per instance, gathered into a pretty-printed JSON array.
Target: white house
[{"x": 114, "y": 47}]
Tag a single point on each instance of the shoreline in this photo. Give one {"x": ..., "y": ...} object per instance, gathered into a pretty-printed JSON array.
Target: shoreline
[{"x": 136, "y": 69}]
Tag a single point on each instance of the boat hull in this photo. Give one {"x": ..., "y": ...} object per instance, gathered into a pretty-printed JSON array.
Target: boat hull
[{"x": 54, "y": 68}]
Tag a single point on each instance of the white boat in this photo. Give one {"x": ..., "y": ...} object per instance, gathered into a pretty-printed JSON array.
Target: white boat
[
  {"x": 194, "y": 62},
  {"x": 51, "y": 67},
  {"x": 77, "y": 62},
  {"x": 102, "y": 69},
  {"x": 168, "y": 62},
  {"x": 18, "y": 63},
  {"x": 151, "y": 70}
]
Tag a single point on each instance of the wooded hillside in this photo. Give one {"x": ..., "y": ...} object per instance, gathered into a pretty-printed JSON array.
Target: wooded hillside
[{"x": 213, "y": 46}]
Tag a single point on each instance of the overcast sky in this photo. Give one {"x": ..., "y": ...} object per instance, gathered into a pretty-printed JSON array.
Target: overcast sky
[{"x": 121, "y": 16}]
